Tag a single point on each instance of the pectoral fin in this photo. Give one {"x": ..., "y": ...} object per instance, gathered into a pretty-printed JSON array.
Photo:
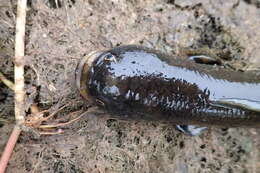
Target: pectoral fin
[
  {"x": 202, "y": 59},
  {"x": 190, "y": 129},
  {"x": 241, "y": 103}
]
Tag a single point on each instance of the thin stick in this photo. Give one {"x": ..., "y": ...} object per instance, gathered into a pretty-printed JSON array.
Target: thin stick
[
  {"x": 9, "y": 148},
  {"x": 19, "y": 62},
  {"x": 19, "y": 83},
  {"x": 7, "y": 82}
]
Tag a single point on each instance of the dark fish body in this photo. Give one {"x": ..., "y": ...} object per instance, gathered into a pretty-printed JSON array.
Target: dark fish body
[{"x": 138, "y": 83}]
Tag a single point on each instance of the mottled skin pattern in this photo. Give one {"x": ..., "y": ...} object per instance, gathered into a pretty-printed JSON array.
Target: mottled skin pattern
[{"x": 139, "y": 83}]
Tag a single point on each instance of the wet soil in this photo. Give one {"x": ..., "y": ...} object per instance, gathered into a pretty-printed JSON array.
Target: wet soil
[{"x": 59, "y": 33}]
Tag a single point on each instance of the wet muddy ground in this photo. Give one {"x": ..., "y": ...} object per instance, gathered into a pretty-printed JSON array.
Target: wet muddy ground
[{"x": 59, "y": 33}]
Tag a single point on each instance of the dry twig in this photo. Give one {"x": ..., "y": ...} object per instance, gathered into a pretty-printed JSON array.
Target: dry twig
[
  {"x": 19, "y": 83},
  {"x": 62, "y": 124},
  {"x": 19, "y": 62}
]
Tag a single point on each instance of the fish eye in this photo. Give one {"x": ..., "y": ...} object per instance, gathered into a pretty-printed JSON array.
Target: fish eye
[{"x": 110, "y": 57}]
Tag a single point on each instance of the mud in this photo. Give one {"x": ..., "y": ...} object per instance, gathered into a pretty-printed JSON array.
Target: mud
[{"x": 58, "y": 35}]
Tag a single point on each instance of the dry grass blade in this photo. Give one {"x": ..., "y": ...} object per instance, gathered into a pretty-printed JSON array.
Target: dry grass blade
[
  {"x": 54, "y": 113},
  {"x": 37, "y": 117},
  {"x": 62, "y": 124},
  {"x": 7, "y": 82},
  {"x": 59, "y": 131},
  {"x": 36, "y": 120}
]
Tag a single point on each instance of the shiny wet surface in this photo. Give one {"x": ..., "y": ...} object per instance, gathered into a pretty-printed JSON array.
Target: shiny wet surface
[{"x": 132, "y": 81}]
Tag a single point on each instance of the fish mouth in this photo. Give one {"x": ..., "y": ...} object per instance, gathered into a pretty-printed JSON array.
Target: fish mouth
[{"x": 82, "y": 72}]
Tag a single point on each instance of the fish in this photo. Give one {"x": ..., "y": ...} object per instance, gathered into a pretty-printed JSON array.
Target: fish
[{"x": 135, "y": 82}]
